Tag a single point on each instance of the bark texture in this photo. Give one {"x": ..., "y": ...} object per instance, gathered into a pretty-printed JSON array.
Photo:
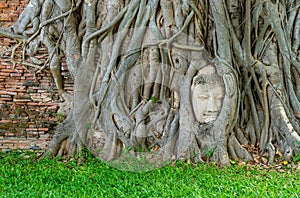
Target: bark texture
[{"x": 134, "y": 61}]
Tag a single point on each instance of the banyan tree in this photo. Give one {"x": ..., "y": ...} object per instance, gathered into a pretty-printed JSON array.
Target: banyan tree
[{"x": 160, "y": 79}]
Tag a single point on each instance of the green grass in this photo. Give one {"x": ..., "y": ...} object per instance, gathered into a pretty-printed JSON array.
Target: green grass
[{"x": 21, "y": 176}]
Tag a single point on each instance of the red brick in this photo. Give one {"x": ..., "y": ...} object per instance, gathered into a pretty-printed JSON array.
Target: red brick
[
  {"x": 4, "y": 74},
  {"x": 28, "y": 75},
  {"x": 43, "y": 129},
  {"x": 33, "y": 104},
  {"x": 6, "y": 99},
  {"x": 7, "y": 70},
  {"x": 21, "y": 100},
  {"x": 8, "y": 93},
  {"x": 2, "y": 18},
  {"x": 53, "y": 107},
  {"x": 5, "y": 121},
  {"x": 31, "y": 129},
  {"x": 3, "y": 5},
  {"x": 15, "y": 74}
]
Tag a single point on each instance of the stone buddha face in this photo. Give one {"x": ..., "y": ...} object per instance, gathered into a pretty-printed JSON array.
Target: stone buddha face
[{"x": 207, "y": 92}]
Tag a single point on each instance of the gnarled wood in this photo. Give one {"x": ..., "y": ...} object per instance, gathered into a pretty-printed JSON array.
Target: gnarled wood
[{"x": 134, "y": 62}]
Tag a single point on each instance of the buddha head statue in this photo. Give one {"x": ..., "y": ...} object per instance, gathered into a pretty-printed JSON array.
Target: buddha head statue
[{"x": 207, "y": 93}]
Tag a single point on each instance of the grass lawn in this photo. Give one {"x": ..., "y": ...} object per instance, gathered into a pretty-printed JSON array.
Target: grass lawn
[{"x": 21, "y": 176}]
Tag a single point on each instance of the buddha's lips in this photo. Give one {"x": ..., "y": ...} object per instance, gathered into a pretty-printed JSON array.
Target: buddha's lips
[{"x": 209, "y": 117}]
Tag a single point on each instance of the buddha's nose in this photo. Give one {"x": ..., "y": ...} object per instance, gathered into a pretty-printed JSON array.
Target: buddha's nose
[{"x": 212, "y": 106}]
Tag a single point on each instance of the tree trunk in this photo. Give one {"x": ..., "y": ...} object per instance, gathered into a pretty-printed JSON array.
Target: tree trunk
[{"x": 161, "y": 80}]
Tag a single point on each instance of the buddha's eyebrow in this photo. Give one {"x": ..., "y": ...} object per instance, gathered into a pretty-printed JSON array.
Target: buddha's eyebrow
[{"x": 204, "y": 89}]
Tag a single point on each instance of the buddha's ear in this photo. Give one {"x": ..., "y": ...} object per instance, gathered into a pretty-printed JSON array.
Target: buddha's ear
[{"x": 229, "y": 84}]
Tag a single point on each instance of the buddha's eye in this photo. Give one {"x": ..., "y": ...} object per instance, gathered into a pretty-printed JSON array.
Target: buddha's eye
[{"x": 203, "y": 96}]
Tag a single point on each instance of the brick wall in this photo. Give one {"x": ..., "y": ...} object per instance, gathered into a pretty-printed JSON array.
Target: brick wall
[
  {"x": 28, "y": 101},
  {"x": 10, "y": 10}
]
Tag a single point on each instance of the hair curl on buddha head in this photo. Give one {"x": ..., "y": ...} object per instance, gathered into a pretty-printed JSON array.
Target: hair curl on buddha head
[{"x": 207, "y": 74}]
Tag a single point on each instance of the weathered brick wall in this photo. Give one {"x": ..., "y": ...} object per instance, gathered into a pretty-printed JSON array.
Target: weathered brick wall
[
  {"x": 10, "y": 10},
  {"x": 28, "y": 101}
]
